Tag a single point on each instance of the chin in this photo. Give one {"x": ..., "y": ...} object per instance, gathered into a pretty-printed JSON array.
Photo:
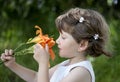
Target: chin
[{"x": 63, "y": 56}]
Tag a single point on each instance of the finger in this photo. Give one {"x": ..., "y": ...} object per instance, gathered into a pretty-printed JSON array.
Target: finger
[
  {"x": 39, "y": 46},
  {"x": 47, "y": 47},
  {"x": 10, "y": 52},
  {"x": 35, "y": 47},
  {"x": 8, "y": 58},
  {"x": 3, "y": 57},
  {"x": 6, "y": 52}
]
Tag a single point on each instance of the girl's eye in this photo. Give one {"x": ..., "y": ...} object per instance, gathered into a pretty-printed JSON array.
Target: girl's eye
[{"x": 63, "y": 37}]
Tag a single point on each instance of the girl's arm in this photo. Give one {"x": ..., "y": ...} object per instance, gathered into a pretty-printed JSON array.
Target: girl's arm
[
  {"x": 26, "y": 74},
  {"x": 43, "y": 73},
  {"x": 41, "y": 55}
]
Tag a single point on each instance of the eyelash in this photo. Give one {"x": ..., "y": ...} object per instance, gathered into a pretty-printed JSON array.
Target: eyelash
[{"x": 63, "y": 37}]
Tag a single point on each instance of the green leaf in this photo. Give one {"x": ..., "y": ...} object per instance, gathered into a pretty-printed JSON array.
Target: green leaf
[{"x": 23, "y": 46}]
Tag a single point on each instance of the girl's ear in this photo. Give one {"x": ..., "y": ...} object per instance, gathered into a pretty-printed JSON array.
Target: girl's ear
[{"x": 83, "y": 45}]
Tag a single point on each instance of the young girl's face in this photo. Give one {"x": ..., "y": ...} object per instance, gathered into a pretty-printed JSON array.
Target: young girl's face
[{"x": 68, "y": 47}]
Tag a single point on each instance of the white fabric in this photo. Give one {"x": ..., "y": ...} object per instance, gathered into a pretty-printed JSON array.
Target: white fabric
[{"x": 63, "y": 70}]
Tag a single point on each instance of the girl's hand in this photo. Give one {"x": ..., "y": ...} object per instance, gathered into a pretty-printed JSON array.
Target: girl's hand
[
  {"x": 41, "y": 55},
  {"x": 7, "y": 57}
]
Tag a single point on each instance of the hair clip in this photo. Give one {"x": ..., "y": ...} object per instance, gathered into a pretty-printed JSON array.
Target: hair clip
[
  {"x": 81, "y": 19},
  {"x": 96, "y": 36}
]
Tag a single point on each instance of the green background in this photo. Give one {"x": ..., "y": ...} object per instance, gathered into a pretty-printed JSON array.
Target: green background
[{"x": 18, "y": 18}]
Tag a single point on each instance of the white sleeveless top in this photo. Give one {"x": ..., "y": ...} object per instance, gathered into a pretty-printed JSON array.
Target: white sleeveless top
[{"x": 63, "y": 70}]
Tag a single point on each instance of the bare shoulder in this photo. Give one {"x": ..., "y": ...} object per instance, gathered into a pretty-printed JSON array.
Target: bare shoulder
[{"x": 78, "y": 74}]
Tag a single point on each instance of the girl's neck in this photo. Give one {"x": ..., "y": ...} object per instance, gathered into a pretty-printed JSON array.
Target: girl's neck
[{"x": 77, "y": 59}]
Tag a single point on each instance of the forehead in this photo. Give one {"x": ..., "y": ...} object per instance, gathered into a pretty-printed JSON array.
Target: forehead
[
  {"x": 65, "y": 33},
  {"x": 66, "y": 28}
]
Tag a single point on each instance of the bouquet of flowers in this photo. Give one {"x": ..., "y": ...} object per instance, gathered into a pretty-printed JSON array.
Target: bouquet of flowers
[{"x": 26, "y": 48}]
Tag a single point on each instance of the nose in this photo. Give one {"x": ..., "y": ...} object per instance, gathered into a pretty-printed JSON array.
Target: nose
[{"x": 57, "y": 40}]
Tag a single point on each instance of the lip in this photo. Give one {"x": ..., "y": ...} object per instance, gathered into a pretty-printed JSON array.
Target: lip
[{"x": 59, "y": 48}]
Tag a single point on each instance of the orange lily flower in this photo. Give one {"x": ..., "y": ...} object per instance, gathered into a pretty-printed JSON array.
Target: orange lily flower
[{"x": 43, "y": 40}]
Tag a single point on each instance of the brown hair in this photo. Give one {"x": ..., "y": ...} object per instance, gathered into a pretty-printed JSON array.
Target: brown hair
[{"x": 92, "y": 24}]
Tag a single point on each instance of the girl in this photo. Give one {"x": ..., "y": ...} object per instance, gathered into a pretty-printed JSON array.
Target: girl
[{"x": 83, "y": 32}]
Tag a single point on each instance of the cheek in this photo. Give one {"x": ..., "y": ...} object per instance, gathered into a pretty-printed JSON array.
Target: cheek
[
  {"x": 68, "y": 51},
  {"x": 64, "y": 51},
  {"x": 71, "y": 46}
]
